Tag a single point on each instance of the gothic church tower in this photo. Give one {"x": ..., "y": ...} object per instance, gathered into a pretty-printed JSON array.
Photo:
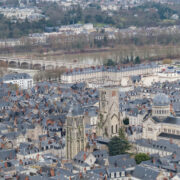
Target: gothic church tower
[
  {"x": 109, "y": 117},
  {"x": 75, "y": 132}
]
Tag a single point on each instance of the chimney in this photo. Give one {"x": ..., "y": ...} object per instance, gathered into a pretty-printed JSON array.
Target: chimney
[
  {"x": 2, "y": 145},
  {"x": 40, "y": 171},
  {"x": 15, "y": 121},
  {"x": 17, "y": 149},
  {"x": 171, "y": 109},
  {"x": 171, "y": 174},
  {"x": 20, "y": 162},
  {"x": 37, "y": 157},
  {"x": 80, "y": 175},
  {"x": 17, "y": 93},
  {"x": 27, "y": 96},
  {"x": 84, "y": 170},
  {"x": 174, "y": 156},
  {"x": 84, "y": 156},
  {"x": 52, "y": 172},
  {"x": 101, "y": 174},
  {"x": 5, "y": 165},
  {"x": 95, "y": 136}
]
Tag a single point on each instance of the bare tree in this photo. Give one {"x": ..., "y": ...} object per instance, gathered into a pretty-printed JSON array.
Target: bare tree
[{"x": 3, "y": 68}]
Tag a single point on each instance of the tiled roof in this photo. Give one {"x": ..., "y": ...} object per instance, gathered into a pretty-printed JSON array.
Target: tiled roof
[{"x": 16, "y": 76}]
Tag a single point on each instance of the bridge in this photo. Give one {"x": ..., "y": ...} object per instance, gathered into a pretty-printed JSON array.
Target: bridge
[{"x": 39, "y": 64}]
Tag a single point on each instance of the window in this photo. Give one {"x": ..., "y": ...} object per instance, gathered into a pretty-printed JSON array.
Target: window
[{"x": 111, "y": 129}]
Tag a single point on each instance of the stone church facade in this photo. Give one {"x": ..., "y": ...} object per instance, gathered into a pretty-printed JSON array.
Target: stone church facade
[
  {"x": 109, "y": 120},
  {"x": 75, "y": 132}
]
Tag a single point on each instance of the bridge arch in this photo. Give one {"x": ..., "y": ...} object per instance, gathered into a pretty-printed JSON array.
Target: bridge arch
[
  {"x": 13, "y": 64},
  {"x": 49, "y": 67},
  {"x": 3, "y": 63},
  {"x": 25, "y": 65},
  {"x": 37, "y": 66}
]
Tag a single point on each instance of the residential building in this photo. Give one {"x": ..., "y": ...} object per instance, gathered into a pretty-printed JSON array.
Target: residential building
[{"x": 23, "y": 80}]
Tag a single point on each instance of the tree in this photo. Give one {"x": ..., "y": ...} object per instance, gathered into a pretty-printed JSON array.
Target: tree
[
  {"x": 126, "y": 121},
  {"x": 141, "y": 157},
  {"x": 132, "y": 58},
  {"x": 118, "y": 144},
  {"x": 137, "y": 60},
  {"x": 167, "y": 61},
  {"x": 99, "y": 18},
  {"x": 3, "y": 68},
  {"x": 122, "y": 134},
  {"x": 110, "y": 62},
  {"x": 88, "y": 18}
]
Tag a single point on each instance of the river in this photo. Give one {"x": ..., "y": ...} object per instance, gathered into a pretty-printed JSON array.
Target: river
[{"x": 118, "y": 54}]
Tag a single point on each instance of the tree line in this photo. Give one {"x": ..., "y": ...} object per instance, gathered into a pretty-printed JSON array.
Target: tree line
[
  {"x": 9, "y": 29},
  {"x": 149, "y": 14}
]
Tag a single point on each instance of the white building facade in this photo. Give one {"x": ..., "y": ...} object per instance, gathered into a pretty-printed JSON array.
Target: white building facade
[
  {"x": 23, "y": 80},
  {"x": 112, "y": 74}
]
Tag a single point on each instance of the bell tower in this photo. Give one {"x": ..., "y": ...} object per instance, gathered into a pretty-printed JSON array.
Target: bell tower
[
  {"x": 75, "y": 132},
  {"x": 109, "y": 117}
]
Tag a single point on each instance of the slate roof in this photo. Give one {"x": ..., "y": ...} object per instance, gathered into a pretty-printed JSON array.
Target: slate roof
[
  {"x": 7, "y": 154},
  {"x": 123, "y": 161},
  {"x": 114, "y": 169},
  {"x": 80, "y": 156},
  {"x": 98, "y": 171},
  {"x": 163, "y": 145},
  {"x": 77, "y": 71},
  {"x": 168, "y": 120},
  {"x": 145, "y": 173},
  {"x": 169, "y": 136},
  {"x": 16, "y": 76},
  {"x": 100, "y": 154},
  {"x": 161, "y": 99},
  {"x": 75, "y": 110}
]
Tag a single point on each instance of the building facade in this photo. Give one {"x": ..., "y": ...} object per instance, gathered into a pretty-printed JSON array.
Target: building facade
[
  {"x": 162, "y": 124},
  {"x": 111, "y": 74},
  {"x": 75, "y": 132},
  {"x": 109, "y": 120},
  {"x": 23, "y": 80}
]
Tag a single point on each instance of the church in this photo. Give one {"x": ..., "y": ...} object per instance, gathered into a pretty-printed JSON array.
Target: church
[
  {"x": 109, "y": 120},
  {"x": 163, "y": 123},
  {"x": 75, "y": 131}
]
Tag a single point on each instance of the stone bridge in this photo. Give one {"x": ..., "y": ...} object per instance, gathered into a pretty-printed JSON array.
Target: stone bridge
[{"x": 39, "y": 64}]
